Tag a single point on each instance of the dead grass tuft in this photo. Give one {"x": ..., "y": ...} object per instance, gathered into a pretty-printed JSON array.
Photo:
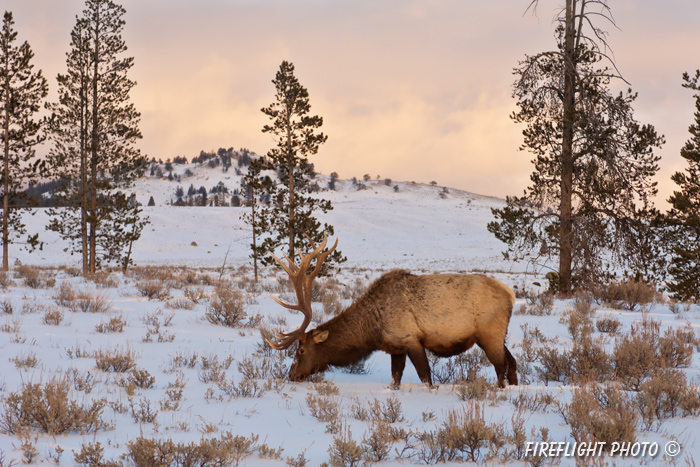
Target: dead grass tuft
[
  {"x": 325, "y": 409},
  {"x": 92, "y": 455},
  {"x": 114, "y": 324},
  {"x": 153, "y": 289},
  {"x": 115, "y": 360},
  {"x": 601, "y": 415},
  {"x": 461, "y": 437},
  {"x": 34, "y": 277},
  {"x": 537, "y": 304},
  {"x": 52, "y": 317},
  {"x": 664, "y": 395},
  {"x": 629, "y": 295},
  {"x": 644, "y": 350},
  {"x": 82, "y": 300},
  {"x": 89, "y": 303},
  {"x": 345, "y": 451},
  {"x": 226, "y": 450},
  {"x": 50, "y": 409},
  {"x": 6, "y": 307},
  {"x": 25, "y": 360},
  {"x": 608, "y": 325},
  {"x": 226, "y": 307},
  {"x": 156, "y": 322}
]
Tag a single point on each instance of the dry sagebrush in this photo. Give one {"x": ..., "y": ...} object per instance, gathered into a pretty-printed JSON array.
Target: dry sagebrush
[{"x": 49, "y": 408}]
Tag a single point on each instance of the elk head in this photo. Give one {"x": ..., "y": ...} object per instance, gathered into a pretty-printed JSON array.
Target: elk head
[{"x": 305, "y": 361}]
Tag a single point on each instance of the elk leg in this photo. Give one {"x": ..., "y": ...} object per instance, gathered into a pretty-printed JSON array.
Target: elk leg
[
  {"x": 512, "y": 367},
  {"x": 398, "y": 363},
  {"x": 420, "y": 362},
  {"x": 497, "y": 357}
]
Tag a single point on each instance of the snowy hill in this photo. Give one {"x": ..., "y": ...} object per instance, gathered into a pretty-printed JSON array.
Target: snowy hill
[{"x": 380, "y": 227}]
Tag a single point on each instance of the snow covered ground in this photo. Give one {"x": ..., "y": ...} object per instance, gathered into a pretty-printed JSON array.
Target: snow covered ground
[{"x": 169, "y": 337}]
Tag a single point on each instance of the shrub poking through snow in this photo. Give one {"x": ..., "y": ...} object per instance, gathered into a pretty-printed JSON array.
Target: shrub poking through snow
[
  {"x": 601, "y": 414},
  {"x": 228, "y": 449},
  {"x": 49, "y": 409},
  {"x": 226, "y": 307},
  {"x": 115, "y": 360}
]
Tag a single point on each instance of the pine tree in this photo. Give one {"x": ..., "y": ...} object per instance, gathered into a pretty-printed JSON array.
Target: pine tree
[
  {"x": 21, "y": 94},
  {"x": 684, "y": 217},
  {"x": 118, "y": 236},
  {"x": 257, "y": 188},
  {"x": 291, "y": 215},
  {"x": 202, "y": 198},
  {"x": 94, "y": 133},
  {"x": 589, "y": 201}
]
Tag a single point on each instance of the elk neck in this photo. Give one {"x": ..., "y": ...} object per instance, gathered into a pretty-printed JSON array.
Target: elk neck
[
  {"x": 353, "y": 335},
  {"x": 357, "y": 332}
]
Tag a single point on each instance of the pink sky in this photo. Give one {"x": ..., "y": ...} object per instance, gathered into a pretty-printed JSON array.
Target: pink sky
[{"x": 409, "y": 90}]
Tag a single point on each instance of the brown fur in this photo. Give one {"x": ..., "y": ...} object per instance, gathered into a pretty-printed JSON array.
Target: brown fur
[{"x": 403, "y": 314}]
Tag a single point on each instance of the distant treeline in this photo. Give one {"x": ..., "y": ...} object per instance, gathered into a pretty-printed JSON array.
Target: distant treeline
[
  {"x": 222, "y": 157},
  {"x": 42, "y": 195},
  {"x": 39, "y": 195}
]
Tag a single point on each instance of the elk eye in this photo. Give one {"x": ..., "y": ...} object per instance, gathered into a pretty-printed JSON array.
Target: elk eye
[{"x": 301, "y": 350}]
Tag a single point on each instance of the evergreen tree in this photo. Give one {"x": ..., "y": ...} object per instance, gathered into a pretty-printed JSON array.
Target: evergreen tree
[
  {"x": 291, "y": 215},
  {"x": 589, "y": 202},
  {"x": 684, "y": 217},
  {"x": 118, "y": 241},
  {"x": 94, "y": 133},
  {"x": 332, "y": 181},
  {"x": 257, "y": 187},
  {"x": 21, "y": 93},
  {"x": 202, "y": 198}
]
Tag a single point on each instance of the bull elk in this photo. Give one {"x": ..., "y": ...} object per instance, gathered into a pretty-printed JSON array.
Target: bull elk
[{"x": 403, "y": 315}]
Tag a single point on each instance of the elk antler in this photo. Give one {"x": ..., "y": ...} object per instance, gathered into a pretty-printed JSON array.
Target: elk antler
[{"x": 302, "y": 286}]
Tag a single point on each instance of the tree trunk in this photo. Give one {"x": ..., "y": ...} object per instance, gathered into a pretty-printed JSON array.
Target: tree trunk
[
  {"x": 92, "y": 217},
  {"x": 84, "y": 209},
  {"x": 94, "y": 146},
  {"x": 83, "y": 174},
  {"x": 6, "y": 179},
  {"x": 255, "y": 249},
  {"x": 567, "y": 158},
  {"x": 290, "y": 168},
  {"x": 127, "y": 258}
]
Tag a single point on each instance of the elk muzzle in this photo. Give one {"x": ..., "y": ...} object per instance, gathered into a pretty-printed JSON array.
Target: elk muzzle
[{"x": 295, "y": 374}]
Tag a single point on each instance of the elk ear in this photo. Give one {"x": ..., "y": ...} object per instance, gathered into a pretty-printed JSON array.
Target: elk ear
[{"x": 320, "y": 336}]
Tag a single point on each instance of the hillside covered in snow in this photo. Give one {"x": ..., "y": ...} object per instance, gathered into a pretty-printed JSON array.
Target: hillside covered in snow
[{"x": 380, "y": 224}]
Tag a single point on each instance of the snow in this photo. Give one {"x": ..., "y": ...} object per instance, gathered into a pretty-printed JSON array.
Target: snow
[{"x": 379, "y": 228}]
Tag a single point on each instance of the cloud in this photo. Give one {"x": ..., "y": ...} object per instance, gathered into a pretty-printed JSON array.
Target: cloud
[{"x": 408, "y": 89}]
